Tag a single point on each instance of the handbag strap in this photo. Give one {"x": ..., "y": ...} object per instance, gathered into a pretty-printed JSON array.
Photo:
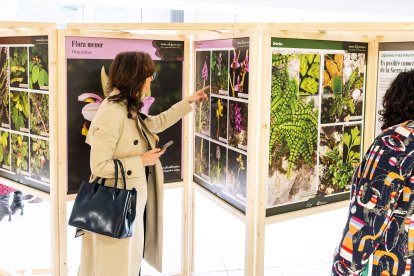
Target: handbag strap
[
  {"x": 116, "y": 174},
  {"x": 121, "y": 166}
]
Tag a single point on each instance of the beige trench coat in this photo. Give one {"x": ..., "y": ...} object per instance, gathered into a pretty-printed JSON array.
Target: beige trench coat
[{"x": 114, "y": 134}]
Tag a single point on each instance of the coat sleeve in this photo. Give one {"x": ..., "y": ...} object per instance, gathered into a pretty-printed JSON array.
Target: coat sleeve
[
  {"x": 103, "y": 137},
  {"x": 376, "y": 187},
  {"x": 164, "y": 120}
]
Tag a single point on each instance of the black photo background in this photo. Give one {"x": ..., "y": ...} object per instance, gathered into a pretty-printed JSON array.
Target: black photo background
[{"x": 84, "y": 76}]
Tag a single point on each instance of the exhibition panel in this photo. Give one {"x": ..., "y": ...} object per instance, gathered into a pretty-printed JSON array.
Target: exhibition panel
[
  {"x": 88, "y": 60},
  {"x": 221, "y": 124},
  {"x": 316, "y": 121},
  {"x": 24, "y": 110}
]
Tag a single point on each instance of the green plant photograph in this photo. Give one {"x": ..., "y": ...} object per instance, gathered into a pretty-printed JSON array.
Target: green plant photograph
[
  {"x": 39, "y": 114},
  {"x": 340, "y": 148},
  {"x": 4, "y": 89},
  {"x": 39, "y": 159},
  {"x": 202, "y": 109},
  {"x": 20, "y": 154},
  {"x": 18, "y": 67},
  {"x": 293, "y": 134},
  {"x": 218, "y": 158},
  {"x": 201, "y": 157},
  {"x": 5, "y": 150},
  {"x": 332, "y": 73},
  {"x": 38, "y": 67},
  {"x": 309, "y": 74},
  {"x": 238, "y": 116},
  {"x": 236, "y": 175},
  {"x": 219, "y": 119},
  {"x": 219, "y": 72},
  {"x": 345, "y": 104},
  {"x": 19, "y": 110},
  {"x": 354, "y": 83}
]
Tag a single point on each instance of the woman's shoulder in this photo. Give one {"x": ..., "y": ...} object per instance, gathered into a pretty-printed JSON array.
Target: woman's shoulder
[
  {"x": 111, "y": 107},
  {"x": 399, "y": 137}
]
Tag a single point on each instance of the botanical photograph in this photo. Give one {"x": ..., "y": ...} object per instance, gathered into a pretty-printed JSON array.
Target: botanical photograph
[
  {"x": 201, "y": 157},
  {"x": 332, "y": 73},
  {"x": 18, "y": 67},
  {"x": 20, "y": 154},
  {"x": 238, "y": 115},
  {"x": 219, "y": 119},
  {"x": 346, "y": 102},
  {"x": 38, "y": 67},
  {"x": 293, "y": 136},
  {"x": 218, "y": 157},
  {"x": 239, "y": 73},
  {"x": 4, "y": 89},
  {"x": 219, "y": 72},
  {"x": 236, "y": 175},
  {"x": 39, "y": 114},
  {"x": 339, "y": 153},
  {"x": 309, "y": 74},
  {"x": 19, "y": 110},
  {"x": 354, "y": 83},
  {"x": 5, "y": 150},
  {"x": 39, "y": 159},
  {"x": 202, "y": 109}
]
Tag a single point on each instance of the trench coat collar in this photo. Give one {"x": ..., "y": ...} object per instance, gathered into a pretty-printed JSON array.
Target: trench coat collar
[{"x": 146, "y": 132}]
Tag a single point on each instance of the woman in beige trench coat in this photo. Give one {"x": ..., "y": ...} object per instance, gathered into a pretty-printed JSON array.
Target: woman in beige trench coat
[{"x": 119, "y": 132}]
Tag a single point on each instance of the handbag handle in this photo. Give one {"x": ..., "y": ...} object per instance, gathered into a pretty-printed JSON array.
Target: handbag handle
[
  {"x": 96, "y": 184},
  {"x": 121, "y": 166}
]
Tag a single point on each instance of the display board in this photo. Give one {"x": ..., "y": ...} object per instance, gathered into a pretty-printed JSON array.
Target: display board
[
  {"x": 24, "y": 110},
  {"x": 220, "y": 142},
  {"x": 88, "y": 60},
  {"x": 316, "y": 121},
  {"x": 393, "y": 58}
]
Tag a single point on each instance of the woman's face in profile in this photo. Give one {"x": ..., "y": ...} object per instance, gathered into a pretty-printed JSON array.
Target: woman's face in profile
[{"x": 146, "y": 88}]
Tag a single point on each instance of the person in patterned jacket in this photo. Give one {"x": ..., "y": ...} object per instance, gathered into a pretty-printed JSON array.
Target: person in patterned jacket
[{"x": 381, "y": 219}]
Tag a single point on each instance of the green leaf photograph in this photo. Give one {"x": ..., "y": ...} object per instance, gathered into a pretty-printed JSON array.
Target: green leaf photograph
[
  {"x": 19, "y": 110},
  {"x": 39, "y": 114},
  {"x": 5, "y": 150},
  {"x": 18, "y": 67},
  {"x": 38, "y": 67},
  {"x": 20, "y": 154},
  {"x": 39, "y": 159}
]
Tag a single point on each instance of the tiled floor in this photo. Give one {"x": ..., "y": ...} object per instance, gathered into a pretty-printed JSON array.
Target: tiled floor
[{"x": 295, "y": 247}]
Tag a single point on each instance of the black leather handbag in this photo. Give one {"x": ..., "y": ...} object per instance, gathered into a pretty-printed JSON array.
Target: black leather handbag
[{"x": 104, "y": 210}]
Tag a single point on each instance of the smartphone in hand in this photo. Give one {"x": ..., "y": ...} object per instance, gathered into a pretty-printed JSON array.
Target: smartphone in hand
[{"x": 166, "y": 145}]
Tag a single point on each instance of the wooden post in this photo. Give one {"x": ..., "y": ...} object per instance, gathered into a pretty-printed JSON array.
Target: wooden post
[{"x": 371, "y": 94}]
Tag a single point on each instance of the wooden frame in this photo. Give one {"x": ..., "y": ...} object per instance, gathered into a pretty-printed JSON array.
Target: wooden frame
[{"x": 17, "y": 29}]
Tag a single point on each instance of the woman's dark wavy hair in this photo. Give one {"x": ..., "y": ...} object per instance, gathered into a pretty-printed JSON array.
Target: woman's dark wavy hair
[
  {"x": 398, "y": 101},
  {"x": 128, "y": 73}
]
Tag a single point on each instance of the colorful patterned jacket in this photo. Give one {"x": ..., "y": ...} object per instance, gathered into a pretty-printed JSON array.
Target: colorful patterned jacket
[{"x": 381, "y": 220}]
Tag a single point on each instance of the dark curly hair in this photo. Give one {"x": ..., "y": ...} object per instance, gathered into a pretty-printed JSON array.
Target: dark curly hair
[
  {"x": 128, "y": 73},
  {"x": 398, "y": 101}
]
